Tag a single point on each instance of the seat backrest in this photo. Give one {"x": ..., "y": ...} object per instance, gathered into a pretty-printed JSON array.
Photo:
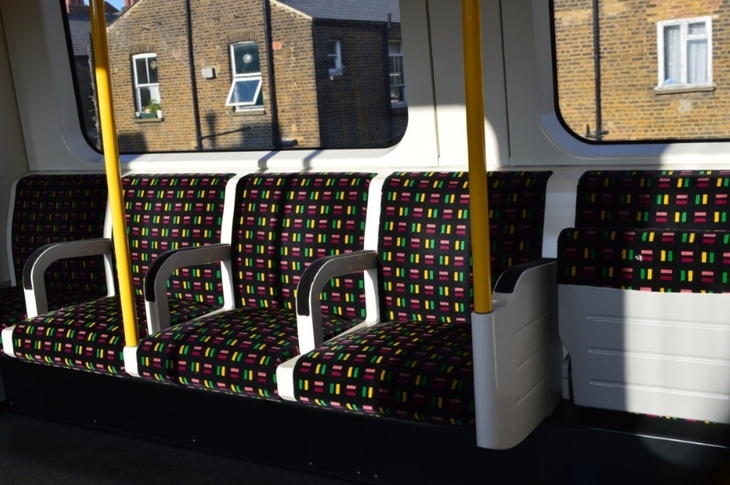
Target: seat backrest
[
  {"x": 50, "y": 208},
  {"x": 283, "y": 222},
  {"x": 425, "y": 246},
  {"x": 666, "y": 199},
  {"x": 170, "y": 211},
  {"x": 516, "y": 217}
]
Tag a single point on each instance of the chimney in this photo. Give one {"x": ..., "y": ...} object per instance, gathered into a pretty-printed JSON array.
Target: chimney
[{"x": 70, "y": 4}]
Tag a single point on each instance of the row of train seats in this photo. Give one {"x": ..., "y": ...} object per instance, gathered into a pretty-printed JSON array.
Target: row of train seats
[
  {"x": 350, "y": 291},
  {"x": 644, "y": 299}
]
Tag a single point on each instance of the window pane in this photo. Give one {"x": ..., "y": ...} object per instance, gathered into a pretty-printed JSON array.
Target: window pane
[
  {"x": 145, "y": 95},
  {"x": 140, "y": 64},
  {"x": 672, "y": 54},
  {"x": 246, "y": 58},
  {"x": 152, "y": 69},
  {"x": 658, "y": 70},
  {"x": 244, "y": 91},
  {"x": 234, "y": 69},
  {"x": 697, "y": 61},
  {"x": 697, "y": 28}
]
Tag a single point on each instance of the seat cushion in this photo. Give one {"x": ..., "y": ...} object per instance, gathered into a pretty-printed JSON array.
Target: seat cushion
[
  {"x": 89, "y": 336},
  {"x": 236, "y": 351},
  {"x": 418, "y": 371},
  {"x": 645, "y": 259},
  {"x": 13, "y": 304},
  {"x": 12, "y": 301}
]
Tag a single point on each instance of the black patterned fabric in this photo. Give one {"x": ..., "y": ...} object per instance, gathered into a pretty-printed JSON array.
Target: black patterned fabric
[
  {"x": 660, "y": 199},
  {"x": 49, "y": 209},
  {"x": 283, "y": 222},
  {"x": 417, "y": 364},
  {"x": 649, "y": 230},
  {"x": 164, "y": 212}
]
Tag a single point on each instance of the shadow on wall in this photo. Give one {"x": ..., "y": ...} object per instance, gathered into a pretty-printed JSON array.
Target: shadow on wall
[{"x": 132, "y": 143}]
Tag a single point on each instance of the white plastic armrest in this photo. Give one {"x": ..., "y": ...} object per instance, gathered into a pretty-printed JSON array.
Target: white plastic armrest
[
  {"x": 155, "y": 284},
  {"x": 314, "y": 279},
  {"x": 34, "y": 285}
]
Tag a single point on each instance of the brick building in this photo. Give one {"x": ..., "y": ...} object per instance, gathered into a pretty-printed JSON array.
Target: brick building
[
  {"x": 255, "y": 74},
  {"x": 664, "y": 69}
]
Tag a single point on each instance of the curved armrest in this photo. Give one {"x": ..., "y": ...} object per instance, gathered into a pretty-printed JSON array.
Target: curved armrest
[
  {"x": 34, "y": 285},
  {"x": 314, "y": 279},
  {"x": 155, "y": 282}
]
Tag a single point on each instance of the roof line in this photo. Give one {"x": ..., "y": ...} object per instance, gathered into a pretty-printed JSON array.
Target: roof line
[{"x": 292, "y": 9}]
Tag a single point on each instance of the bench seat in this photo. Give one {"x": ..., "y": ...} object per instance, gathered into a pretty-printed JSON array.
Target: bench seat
[{"x": 282, "y": 223}]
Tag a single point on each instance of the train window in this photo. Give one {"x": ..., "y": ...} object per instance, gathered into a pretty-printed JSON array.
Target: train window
[
  {"x": 315, "y": 75},
  {"x": 626, "y": 71}
]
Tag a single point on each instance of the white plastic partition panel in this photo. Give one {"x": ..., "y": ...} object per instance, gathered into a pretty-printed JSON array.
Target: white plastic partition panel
[
  {"x": 665, "y": 354},
  {"x": 517, "y": 359}
]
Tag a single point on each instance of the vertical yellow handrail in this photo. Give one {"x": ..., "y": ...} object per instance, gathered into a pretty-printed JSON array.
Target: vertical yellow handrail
[
  {"x": 478, "y": 199},
  {"x": 113, "y": 170}
]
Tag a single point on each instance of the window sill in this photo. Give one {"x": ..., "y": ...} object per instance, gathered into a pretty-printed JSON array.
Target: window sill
[
  {"x": 699, "y": 88},
  {"x": 249, "y": 112},
  {"x": 148, "y": 120}
]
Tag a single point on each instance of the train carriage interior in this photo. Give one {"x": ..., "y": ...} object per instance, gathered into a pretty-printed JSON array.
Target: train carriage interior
[{"x": 386, "y": 242}]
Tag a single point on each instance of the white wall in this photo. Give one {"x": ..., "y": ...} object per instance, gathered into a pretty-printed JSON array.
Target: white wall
[{"x": 13, "y": 162}]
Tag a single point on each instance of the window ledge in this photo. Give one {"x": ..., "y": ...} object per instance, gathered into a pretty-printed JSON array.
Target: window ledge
[
  {"x": 248, "y": 112},
  {"x": 697, "y": 88},
  {"x": 148, "y": 120}
]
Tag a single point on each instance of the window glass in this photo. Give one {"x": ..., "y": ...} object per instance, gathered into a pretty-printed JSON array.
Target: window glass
[
  {"x": 248, "y": 75},
  {"x": 395, "y": 68},
  {"x": 146, "y": 86},
  {"x": 334, "y": 58},
  {"x": 245, "y": 92},
  {"x": 647, "y": 75}
]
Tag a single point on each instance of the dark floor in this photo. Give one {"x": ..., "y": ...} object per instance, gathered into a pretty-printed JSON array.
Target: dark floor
[{"x": 38, "y": 452}]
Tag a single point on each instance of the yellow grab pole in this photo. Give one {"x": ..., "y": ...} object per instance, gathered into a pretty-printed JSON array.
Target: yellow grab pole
[
  {"x": 113, "y": 170},
  {"x": 478, "y": 200}
]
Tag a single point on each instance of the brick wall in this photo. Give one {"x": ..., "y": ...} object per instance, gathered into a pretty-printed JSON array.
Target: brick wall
[
  {"x": 631, "y": 107},
  {"x": 312, "y": 110},
  {"x": 354, "y": 108}
]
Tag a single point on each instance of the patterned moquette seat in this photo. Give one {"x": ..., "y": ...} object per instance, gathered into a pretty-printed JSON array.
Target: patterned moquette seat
[
  {"x": 163, "y": 212},
  {"x": 649, "y": 230},
  {"x": 417, "y": 364},
  {"x": 282, "y": 223},
  {"x": 49, "y": 209}
]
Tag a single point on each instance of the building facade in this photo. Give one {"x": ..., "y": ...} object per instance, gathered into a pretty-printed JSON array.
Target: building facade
[
  {"x": 252, "y": 75},
  {"x": 663, "y": 69}
]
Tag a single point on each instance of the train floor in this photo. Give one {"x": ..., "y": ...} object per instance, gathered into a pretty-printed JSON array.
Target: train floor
[
  {"x": 68, "y": 427},
  {"x": 36, "y": 451}
]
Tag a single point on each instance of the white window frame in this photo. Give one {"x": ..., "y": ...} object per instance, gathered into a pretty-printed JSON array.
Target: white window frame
[
  {"x": 685, "y": 39},
  {"x": 336, "y": 56},
  {"x": 154, "y": 88},
  {"x": 243, "y": 79},
  {"x": 397, "y": 79}
]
